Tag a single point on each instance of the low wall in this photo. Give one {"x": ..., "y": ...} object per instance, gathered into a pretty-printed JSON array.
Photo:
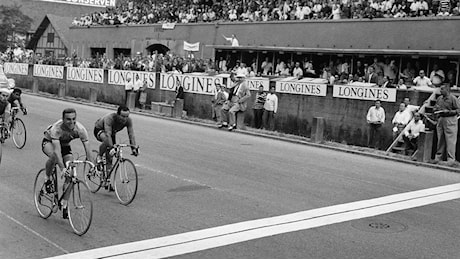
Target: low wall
[{"x": 345, "y": 119}]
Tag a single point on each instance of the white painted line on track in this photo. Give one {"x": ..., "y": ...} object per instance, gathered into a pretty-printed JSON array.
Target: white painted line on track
[
  {"x": 34, "y": 232},
  {"x": 194, "y": 241}
]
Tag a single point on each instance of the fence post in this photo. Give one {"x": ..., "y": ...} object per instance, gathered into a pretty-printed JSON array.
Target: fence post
[
  {"x": 61, "y": 90},
  {"x": 35, "y": 85},
  {"x": 131, "y": 100},
  {"x": 317, "y": 130},
  {"x": 424, "y": 146}
]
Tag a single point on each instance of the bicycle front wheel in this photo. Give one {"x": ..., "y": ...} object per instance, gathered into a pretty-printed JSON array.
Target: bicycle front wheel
[
  {"x": 80, "y": 208},
  {"x": 19, "y": 133},
  {"x": 43, "y": 201},
  {"x": 93, "y": 177},
  {"x": 125, "y": 181},
  {"x": 1, "y": 145}
]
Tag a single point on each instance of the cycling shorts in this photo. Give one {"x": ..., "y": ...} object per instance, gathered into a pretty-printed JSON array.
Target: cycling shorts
[
  {"x": 65, "y": 149},
  {"x": 97, "y": 133}
]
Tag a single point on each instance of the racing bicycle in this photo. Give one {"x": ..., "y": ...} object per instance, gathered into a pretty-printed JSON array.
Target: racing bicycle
[
  {"x": 79, "y": 204},
  {"x": 124, "y": 175},
  {"x": 16, "y": 130}
]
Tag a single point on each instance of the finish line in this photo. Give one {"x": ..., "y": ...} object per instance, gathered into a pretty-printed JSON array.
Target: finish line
[{"x": 199, "y": 240}]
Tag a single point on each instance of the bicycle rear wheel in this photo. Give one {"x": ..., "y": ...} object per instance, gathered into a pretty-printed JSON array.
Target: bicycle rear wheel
[
  {"x": 80, "y": 208},
  {"x": 19, "y": 133},
  {"x": 43, "y": 201},
  {"x": 93, "y": 177},
  {"x": 125, "y": 181},
  {"x": 1, "y": 145}
]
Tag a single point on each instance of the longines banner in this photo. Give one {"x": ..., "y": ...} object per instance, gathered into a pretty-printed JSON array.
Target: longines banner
[
  {"x": 255, "y": 82},
  {"x": 85, "y": 74},
  {"x": 16, "y": 68},
  {"x": 364, "y": 93},
  {"x": 49, "y": 71},
  {"x": 120, "y": 77},
  {"x": 192, "y": 83},
  {"x": 95, "y": 3},
  {"x": 303, "y": 87}
]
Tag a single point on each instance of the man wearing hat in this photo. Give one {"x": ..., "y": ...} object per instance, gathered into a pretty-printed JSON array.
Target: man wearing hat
[{"x": 241, "y": 94}]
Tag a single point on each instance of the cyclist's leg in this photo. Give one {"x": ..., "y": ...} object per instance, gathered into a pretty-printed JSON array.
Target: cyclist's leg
[
  {"x": 103, "y": 148},
  {"x": 48, "y": 150},
  {"x": 66, "y": 157}
]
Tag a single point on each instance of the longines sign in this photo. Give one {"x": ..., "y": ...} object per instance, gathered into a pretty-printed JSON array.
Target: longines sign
[
  {"x": 293, "y": 86},
  {"x": 120, "y": 77},
  {"x": 364, "y": 93},
  {"x": 85, "y": 74},
  {"x": 192, "y": 83},
  {"x": 16, "y": 68},
  {"x": 49, "y": 71}
]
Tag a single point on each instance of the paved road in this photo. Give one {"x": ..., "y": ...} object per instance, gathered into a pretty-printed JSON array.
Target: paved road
[{"x": 195, "y": 178}]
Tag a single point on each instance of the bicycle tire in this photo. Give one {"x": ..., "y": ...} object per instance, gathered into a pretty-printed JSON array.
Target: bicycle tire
[
  {"x": 80, "y": 208},
  {"x": 1, "y": 146},
  {"x": 18, "y": 129},
  {"x": 43, "y": 202},
  {"x": 125, "y": 181},
  {"x": 93, "y": 177}
]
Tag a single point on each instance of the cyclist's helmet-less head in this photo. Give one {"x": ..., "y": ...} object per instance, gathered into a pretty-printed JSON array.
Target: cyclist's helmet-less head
[
  {"x": 122, "y": 114},
  {"x": 4, "y": 94},
  {"x": 69, "y": 118}
]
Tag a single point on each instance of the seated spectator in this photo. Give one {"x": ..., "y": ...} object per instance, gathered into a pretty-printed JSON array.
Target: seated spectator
[
  {"x": 400, "y": 120},
  {"x": 412, "y": 133}
]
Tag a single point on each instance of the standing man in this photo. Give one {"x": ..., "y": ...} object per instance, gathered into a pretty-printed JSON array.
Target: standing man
[
  {"x": 422, "y": 80},
  {"x": 233, "y": 40},
  {"x": 371, "y": 77},
  {"x": 129, "y": 86},
  {"x": 297, "y": 72},
  {"x": 447, "y": 108},
  {"x": 217, "y": 103},
  {"x": 375, "y": 118},
  {"x": 241, "y": 94},
  {"x": 270, "y": 109},
  {"x": 258, "y": 107}
]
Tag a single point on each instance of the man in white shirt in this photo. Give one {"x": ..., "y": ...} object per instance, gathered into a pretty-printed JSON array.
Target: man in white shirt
[
  {"x": 129, "y": 86},
  {"x": 297, "y": 72},
  {"x": 375, "y": 118},
  {"x": 413, "y": 131},
  {"x": 270, "y": 109},
  {"x": 422, "y": 81},
  {"x": 400, "y": 120},
  {"x": 233, "y": 40}
]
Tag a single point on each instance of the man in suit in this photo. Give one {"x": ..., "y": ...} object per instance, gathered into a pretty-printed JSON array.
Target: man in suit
[
  {"x": 371, "y": 77},
  {"x": 241, "y": 94}
]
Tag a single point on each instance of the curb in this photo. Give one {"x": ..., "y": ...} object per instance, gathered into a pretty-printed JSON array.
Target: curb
[{"x": 247, "y": 132}]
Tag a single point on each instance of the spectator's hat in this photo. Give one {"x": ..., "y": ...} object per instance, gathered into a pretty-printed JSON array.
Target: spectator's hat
[
  {"x": 5, "y": 91},
  {"x": 240, "y": 75}
]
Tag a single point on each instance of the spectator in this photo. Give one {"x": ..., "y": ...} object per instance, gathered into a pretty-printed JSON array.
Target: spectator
[
  {"x": 258, "y": 107},
  {"x": 386, "y": 82},
  {"x": 400, "y": 120},
  {"x": 143, "y": 94},
  {"x": 401, "y": 84},
  {"x": 447, "y": 108},
  {"x": 408, "y": 74},
  {"x": 266, "y": 67},
  {"x": 422, "y": 81},
  {"x": 217, "y": 103},
  {"x": 410, "y": 109},
  {"x": 375, "y": 118},
  {"x": 270, "y": 109},
  {"x": 138, "y": 84},
  {"x": 241, "y": 94},
  {"x": 437, "y": 75},
  {"x": 371, "y": 77},
  {"x": 412, "y": 133},
  {"x": 233, "y": 40},
  {"x": 129, "y": 86},
  {"x": 297, "y": 72}
]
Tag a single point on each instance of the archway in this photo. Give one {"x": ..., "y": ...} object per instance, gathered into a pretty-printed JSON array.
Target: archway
[{"x": 160, "y": 48}]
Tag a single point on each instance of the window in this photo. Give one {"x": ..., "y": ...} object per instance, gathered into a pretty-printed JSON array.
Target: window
[
  {"x": 50, "y": 37},
  {"x": 97, "y": 52}
]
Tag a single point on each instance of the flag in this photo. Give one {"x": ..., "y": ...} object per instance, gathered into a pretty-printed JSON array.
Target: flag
[{"x": 191, "y": 46}]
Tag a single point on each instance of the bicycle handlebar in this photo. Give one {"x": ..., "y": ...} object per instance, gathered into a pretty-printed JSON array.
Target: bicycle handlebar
[{"x": 125, "y": 145}]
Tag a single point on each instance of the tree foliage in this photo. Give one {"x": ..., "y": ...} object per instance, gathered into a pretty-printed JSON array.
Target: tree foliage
[{"x": 13, "y": 23}]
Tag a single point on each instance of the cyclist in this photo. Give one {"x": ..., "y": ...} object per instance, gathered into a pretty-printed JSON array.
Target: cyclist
[
  {"x": 5, "y": 107},
  {"x": 106, "y": 128},
  {"x": 56, "y": 145},
  {"x": 15, "y": 100}
]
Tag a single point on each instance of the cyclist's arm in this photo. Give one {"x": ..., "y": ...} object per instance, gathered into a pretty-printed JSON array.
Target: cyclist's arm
[
  {"x": 108, "y": 122},
  {"x": 7, "y": 113},
  {"x": 132, "y": 139},
  {"x": 57, "y": 152},
  {"x": 21, "y": 105},
  {"x": 87, "y": 150}
]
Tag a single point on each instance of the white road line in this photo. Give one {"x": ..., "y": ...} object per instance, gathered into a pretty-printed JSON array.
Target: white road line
[
  {"x": 194, "y": 241},
  {"x": 34, "y": 232}
]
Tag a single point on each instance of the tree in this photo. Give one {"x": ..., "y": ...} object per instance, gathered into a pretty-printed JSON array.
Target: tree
[{"x": 14, "y": 26}]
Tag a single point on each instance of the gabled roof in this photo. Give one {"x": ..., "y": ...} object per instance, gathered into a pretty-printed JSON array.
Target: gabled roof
[{"x": 59, "y": 23}]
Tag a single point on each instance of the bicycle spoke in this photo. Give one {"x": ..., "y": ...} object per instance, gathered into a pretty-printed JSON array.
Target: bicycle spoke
[
  {"x": 80, "y": 208},
  {"x": 43, "y": 202},
  {"x": 125, "y": 181}
]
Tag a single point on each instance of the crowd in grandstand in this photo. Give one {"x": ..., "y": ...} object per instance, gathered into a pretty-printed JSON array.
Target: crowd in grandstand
[{"x": 193, "y": 11}]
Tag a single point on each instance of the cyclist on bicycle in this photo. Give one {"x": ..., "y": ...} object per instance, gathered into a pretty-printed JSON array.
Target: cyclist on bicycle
[
  {"x": 56, "y": 145},
  {"x": 5, "y": 106},
  {"x": 106, "y": 128},
  {"x": 15, "y": 100}
]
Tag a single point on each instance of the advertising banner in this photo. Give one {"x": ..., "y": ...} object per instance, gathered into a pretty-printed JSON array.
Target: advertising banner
[
  {"x": 85, "y": 74},
  {"x": 16, "y": 68},
  {"x": 49, "y": 71},
  {"x": 120, "y": 77},
  {"x": 306, "y": 86},
  {"x": 255, "y": 82},
  {"x": 193, "y": 82},
  {"x": 191, "y": 46},
  {"x": 95, "y": 3},
  {"x": 359, "y": 91}
]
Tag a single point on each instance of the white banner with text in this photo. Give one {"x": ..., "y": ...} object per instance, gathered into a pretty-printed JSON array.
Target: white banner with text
[
  {"x": 120, "y": 77},
  {"x": 16, "y": 68},
  {"x": 364, "y": 93},
  {"x": 48, "y": 71},
  {"x": 95, "y": 3},
  {"x": 85, "y": 74},
  {"x": 306, "y": 86},
  {"x": 193, "y": 82}
]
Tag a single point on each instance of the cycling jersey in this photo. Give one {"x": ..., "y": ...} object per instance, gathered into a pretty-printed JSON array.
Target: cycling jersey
[
  {"x": 13, "y": 98},
  {"x": 110, "y": 125},
  {"x": 57, "y": 132},
  {"x": 4, "y": 106}
]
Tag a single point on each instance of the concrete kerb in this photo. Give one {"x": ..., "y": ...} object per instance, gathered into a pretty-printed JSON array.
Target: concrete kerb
[{"x": 248, "y": 132}]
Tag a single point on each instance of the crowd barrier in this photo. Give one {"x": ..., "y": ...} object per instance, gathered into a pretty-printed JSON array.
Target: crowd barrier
[{"x": 340, "y": 108}]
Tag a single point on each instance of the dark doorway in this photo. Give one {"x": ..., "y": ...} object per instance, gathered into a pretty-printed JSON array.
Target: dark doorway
[{"x": 160, "y": 48}]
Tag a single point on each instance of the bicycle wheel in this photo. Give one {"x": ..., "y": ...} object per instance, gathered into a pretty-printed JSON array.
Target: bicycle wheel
[
  {"x": 43, "y": 201},
  {"x": 125, "y": 181},
  {"x": 93, "y": 177},
  {"x": 1, "y": 145},
  {"x": 19, "y": 133},
  {"x": 80, "y": 208}
]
